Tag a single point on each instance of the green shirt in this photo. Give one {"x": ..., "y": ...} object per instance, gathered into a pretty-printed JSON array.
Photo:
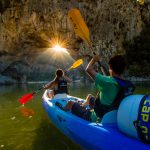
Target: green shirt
[{"x": 108, "y": 88}]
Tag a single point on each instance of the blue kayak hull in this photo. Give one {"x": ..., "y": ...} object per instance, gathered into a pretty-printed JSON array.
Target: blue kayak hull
[{"x": 91, "y": 136}]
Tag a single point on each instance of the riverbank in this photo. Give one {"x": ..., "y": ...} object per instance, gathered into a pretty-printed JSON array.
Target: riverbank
[
  {"x": 8, "y": 81},
  {"x": 4, "y": 80},
  {"x": 139, "y": 79}
]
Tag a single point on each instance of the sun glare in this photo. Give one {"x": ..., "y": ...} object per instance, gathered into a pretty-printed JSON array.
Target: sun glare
[{"x": 58, "y": 48}]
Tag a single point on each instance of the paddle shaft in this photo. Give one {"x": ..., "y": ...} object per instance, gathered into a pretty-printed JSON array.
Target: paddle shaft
[
  {"x": 82, "y": 31},
  {"x": 35, "y": 92},
  {"x": 102, "y": 67}
]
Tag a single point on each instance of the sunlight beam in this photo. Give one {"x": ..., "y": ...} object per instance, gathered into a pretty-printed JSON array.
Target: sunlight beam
[{"x": 58, "y": 49}]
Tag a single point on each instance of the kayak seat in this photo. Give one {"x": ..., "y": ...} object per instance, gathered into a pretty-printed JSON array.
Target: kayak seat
[
  {"x": 110, "y": 117},
  {"x": 60, "y": 96}
]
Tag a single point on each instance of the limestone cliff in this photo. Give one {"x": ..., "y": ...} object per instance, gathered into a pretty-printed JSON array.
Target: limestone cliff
[{"x": 28, "y": 26}]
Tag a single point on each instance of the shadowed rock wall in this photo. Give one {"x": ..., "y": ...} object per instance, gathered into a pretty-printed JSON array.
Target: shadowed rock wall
[{"x": 27, "y": 27}]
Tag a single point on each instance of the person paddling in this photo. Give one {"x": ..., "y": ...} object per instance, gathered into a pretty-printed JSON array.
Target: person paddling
[
  {"x": 58, "y": 84},
  {"x": 111, "y": 90}
]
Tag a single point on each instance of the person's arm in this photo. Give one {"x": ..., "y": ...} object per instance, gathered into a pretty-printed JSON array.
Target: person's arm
[
  {"x": 90, "y": 67},
  {"x": 104, "y": 71},
  {"x": 50, "y": 85},
  {"x": 67, "y": 78}
]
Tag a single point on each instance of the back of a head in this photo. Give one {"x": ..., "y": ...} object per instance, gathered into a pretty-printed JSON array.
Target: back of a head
[
  {"x": 59, "y": 72},
  {"x": 118, "y": 64}
]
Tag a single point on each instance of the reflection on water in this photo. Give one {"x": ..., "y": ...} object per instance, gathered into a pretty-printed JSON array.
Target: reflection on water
[
  {"x": 142, "y": 88},
  {"x": 22, "y": 132},
  {"x": 26, "y": 112}
]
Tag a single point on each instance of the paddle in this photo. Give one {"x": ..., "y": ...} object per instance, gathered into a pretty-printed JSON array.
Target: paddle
[
  {"x": 141, "y": 2},
  {"x": 29, "y": 96},
  {"x": 82, "y": 31},
  {"x": 76, "y": 64}
]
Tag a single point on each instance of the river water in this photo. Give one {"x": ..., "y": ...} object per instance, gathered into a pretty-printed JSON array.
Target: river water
[{"x": 28, "y": 127}]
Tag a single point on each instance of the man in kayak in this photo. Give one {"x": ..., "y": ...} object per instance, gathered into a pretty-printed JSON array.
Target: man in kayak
[
  {"x": 58, "y": 84},
  {"x": 109, "y": 95}
]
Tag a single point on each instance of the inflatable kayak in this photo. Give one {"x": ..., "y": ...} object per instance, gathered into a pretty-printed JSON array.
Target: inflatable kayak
[{"x": 94, "y": 136}]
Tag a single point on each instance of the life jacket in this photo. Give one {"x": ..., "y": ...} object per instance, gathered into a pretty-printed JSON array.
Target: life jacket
[
  {"x": 61, "y": 87},
  {"x": 126, "y": 88}
]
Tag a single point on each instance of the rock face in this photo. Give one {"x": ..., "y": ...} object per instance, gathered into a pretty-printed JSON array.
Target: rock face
[
  {"x": 28, "y": 27},
  {"x": 4, "y": 80}
]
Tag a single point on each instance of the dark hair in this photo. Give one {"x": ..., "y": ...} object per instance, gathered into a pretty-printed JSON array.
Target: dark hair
[
  {"x": 59, "y": 72},
  {"x": 117, "y": 63}
]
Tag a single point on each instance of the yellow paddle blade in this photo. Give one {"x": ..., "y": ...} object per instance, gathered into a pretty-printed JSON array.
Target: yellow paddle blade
[
  {"x": 76, "y": 64},
  {"x": 141, "y": 2},
  {"x": 79, "y": 25}
]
